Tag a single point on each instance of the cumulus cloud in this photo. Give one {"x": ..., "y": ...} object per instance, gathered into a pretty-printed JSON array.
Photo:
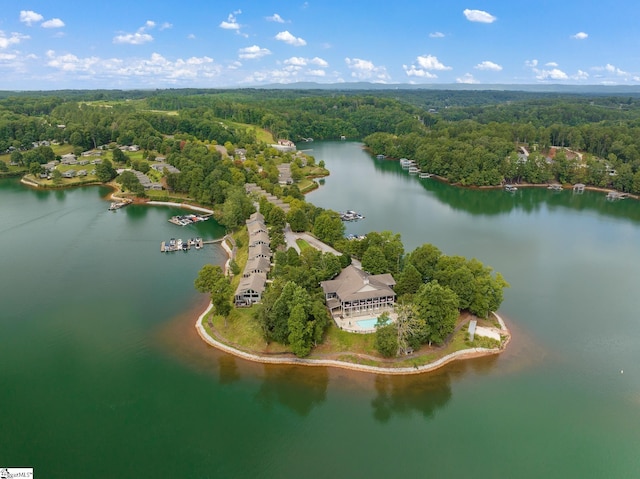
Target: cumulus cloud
[
  {"x": 29, "y": 16},
  {"x": 580, "y": 36},
  {"x": 366, "y": 70},
  {"x": 152, "y": 70},
  {"x": 137, "y": 38},
  {"x": 487, "y": 65},
  {"x": 551, "y": 64},
  {"x": 436, "y": 35},
  {"x": 166, "y": 25},
  {"x": 430, "y": 62},
  {"x": 11, "y": 39},
  {"x": 301, "y": 61},
  {"x": 412, "y": 71},
  {"x": 479, "y": 16},
  {"x": 275, "y": 18},
  {"x": 553, "y": 74},
  {"x": 581, "y": 75},
  {"x": 191, "y": 36},
  {"x": 531, "y": 63},
  {"x": 466, "y": 78},
  {"x": 231, "y": 23},
  {"x": 53, "y": 23},
  {"x": 290, "y": 39},
  {"x": 253, "y": 52},
  {"x": 317, "y": 73}
]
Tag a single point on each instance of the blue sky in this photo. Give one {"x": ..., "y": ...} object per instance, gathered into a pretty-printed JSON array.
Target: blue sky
[{"x": 218, "y": 43}]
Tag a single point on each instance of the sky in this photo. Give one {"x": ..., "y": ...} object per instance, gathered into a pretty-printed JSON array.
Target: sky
[{"x": 53, "y": 44}]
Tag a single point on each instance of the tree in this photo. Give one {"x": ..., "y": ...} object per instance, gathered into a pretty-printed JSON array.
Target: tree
[
  {"x": 409, "y": 280},
  {"x": 374, "y": 261},
  {"x": 386, "y": 340},
  {"x": 425, "y": 259},
  {"x": 237, "y": 208},
  {"x": 328, "y": 227},
  {"x": 16, "y": 157},
  {"x": 437, "y": 306},
  {"x": 119, "y": 156},
  {"x": 57, "y": 177},
  {"x": 211, "y": 279},
  {"x": 105, "y": 171},
  {"x": 300, "y": 331},
  {"x": 408, "y": 326},
  {"x": 35, "y": 168},
  {"x": 297, "y": 219}
]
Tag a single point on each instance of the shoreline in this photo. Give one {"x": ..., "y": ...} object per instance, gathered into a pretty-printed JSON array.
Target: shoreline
[{"x": 335, "y": 363}]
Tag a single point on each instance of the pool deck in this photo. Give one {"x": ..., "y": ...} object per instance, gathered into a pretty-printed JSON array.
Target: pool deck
[{"x": 351, "y": 323}]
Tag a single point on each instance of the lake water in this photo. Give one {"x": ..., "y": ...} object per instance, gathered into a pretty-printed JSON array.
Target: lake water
[{"x": 103, "y": 374}]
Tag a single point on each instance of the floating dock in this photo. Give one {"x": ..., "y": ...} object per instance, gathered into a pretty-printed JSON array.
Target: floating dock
[
  {"x": 116, "y": 205},
  {"x": 184, "y": 220},
  {"x": 179, "y": 245}
]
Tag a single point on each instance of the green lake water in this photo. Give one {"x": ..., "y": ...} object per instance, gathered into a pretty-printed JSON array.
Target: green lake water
[{"x": 102, "y": 374}]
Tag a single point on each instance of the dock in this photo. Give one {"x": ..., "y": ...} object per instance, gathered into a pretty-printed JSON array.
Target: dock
[
  {"x": 179, "y": 245},
  {"x": 616, "y": 195},
  {"x": 510, "y": 188},
  {"x": 184, "y": 220},
  {"x": 116, "y": 205},
  {"x": 555, "y": 187}
]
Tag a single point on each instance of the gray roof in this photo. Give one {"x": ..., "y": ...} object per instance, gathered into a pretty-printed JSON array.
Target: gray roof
[
  {"x": 259, "y": 250},
  {"x": 354, "y": 284},
  {"x": 259, "y": 237},
  {"x": 257, "y": 264},
  {"x": 256, "y": 282},
  {"x": 257, "y": 216}
]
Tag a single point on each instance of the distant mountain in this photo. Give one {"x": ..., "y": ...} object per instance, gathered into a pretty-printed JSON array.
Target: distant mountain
[{"x": 545, "y": 88}]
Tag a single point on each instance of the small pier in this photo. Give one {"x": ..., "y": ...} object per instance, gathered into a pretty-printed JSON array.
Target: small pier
[
  {"x": 510, "y": 188},
  {"x": 184, "y": 220},
  {"x": 555, "y": 187},
  {"x": 380, "y": 157},
  {"x": 578, "y": 188},
  {"x": 116, "y": 205},
  {"x": 616, "y": 195},
  {"x": 425, "y": 175},
  {"x": 179, "y": 245}
]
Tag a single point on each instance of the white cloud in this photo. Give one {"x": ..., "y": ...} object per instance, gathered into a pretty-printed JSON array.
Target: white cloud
[
  {"x": 298, "y": 61},
  {"x": 7, "y": 56},
  {"x": 153, "y": 70},
  {"x": 551, "y": 64},
  {"x": 253, "y": 52},
  {"x": 479, "y": 16},
  {"x": 191, "y": 36},
  {"x": 466, "y": 78},
  {"x": 531, "y": 63},
  {"x": 13, "y": 39},
  {"x": 29, "y": 16},
  {"x": 319, "y": 62},
  {"x": 581, "y": 75},
  {"x": 487, "y": 65},
  {"x": 317, "y": 73},
  {"x": 166, "y": 25},
  {"x": 290, "y": 39},
  {"x": 275, "y": 18},
  {"x": 553, "y": 74},
  {"x": 615, "y": 70},
  {"x": 366, "y": 70},
  {"x": 430, "y": 62},
  {"x": 53, "y": 23},
  {"x": 412, "y": 71},
  {"x": 436, "y": 35},
  {"x": 138, "y": 38},
  {"x": 301, "y": 61},
  {"x": 580, "y": 36},
  {"x": 231, "y": 23}
]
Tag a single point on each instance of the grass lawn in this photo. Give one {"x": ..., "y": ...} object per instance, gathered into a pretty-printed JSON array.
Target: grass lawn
[{"x": 303, "y": 244}]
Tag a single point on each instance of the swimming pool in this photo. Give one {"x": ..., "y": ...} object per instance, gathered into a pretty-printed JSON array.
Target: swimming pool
[{"x": 369, "y": 323}]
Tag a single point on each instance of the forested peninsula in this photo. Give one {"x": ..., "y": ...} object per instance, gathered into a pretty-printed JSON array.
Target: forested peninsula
[{"x": 234, "y": 151}]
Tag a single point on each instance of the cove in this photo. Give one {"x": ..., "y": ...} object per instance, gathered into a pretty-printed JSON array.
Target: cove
[{"x": 102, "y": 370}]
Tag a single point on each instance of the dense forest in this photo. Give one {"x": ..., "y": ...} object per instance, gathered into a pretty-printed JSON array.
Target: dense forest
[{"x": 467, "y": 137}]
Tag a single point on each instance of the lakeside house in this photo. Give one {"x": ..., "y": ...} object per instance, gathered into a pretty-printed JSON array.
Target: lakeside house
[
  {"x": 254, "y": 276},
  {"x": 357, "y": 293}
]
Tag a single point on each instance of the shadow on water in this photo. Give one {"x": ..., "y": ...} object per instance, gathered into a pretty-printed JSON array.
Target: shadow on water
[
  {"x": 491, "y": 202},
  {"x": 403, "y": 395},
  {"x": 297, "y": 389},
  {"x": 135, "y": 212}
]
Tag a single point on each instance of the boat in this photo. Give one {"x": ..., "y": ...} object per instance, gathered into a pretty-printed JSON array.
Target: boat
[
  {"x": 425, "y": 175},
  {"x": 198, "y": 243},
  {"x": 184, "y": 220},
  {"x": 351, "y": 215},
  {"x": 510, "y": 188},
  {"x": 116, "y": 205},
  {"x": 414, "y": 170},
  {"x": 555, "y": 187},
  {"x": 380, "y": 157}
]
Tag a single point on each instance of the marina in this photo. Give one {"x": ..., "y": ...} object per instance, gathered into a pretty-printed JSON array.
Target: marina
[
  {"x": 184, "y": 220},
  {"x": 178, "y": 245}
]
